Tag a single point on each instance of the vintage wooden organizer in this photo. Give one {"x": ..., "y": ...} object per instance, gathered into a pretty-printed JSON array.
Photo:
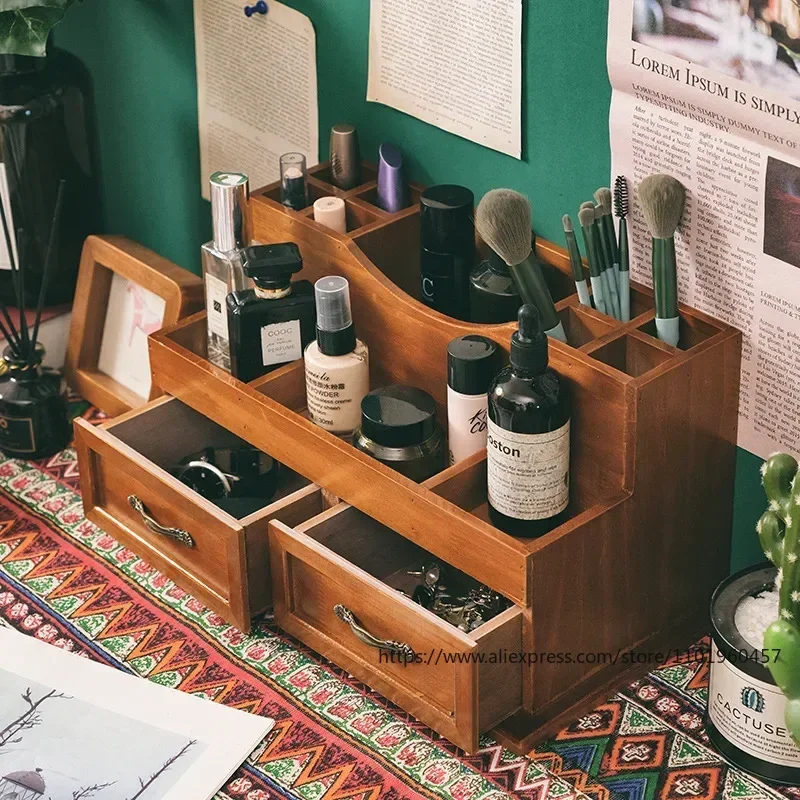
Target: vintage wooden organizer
[{"x": 648, "y": 533}]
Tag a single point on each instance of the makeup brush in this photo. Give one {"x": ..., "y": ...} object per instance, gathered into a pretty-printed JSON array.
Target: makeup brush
[
  {"x": 663, "y": 199},
  {"x": 586, "y": 220},
  {"x": 576, "y": 262},
  {"x": 602, "y": 263},
  {"x": 624, "y": 283},
  {"x": 604, "y": 199},
  {"x": 609, "y": 282},
  {"x": 503, "y": 220}
]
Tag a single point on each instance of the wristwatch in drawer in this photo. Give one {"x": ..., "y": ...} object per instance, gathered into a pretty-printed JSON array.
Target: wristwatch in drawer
[{"x": 222, "y": 472}]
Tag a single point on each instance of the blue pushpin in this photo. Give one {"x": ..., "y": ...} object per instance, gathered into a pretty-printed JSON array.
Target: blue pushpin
[{"x": 259, "y": 8}]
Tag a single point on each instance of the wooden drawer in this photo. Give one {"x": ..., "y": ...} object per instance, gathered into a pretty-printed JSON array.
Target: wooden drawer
[
  {"x": 459, "y": 684},
  {"x": 225, "y": 561}
]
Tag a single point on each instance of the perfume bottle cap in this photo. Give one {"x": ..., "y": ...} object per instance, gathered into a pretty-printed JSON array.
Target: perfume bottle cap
[
  {"x": 392, "y": 187},
  {"x": 335, "y": 332},
  {"x": 398, "y": 416},
  {"x": 230, "y": 213},
  {"x": 345, "y": 156},
  {"x": 472, "y": 363},
  {"x": 529, "y": 342},
  {"x": 446, "y": 219},
  {"x": 271, "y": 266}
]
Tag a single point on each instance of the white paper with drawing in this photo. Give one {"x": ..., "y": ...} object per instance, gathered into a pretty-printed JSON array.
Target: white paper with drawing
[
  {"x": 709, "y": 91},
  {"x": 70, "y": 727},
  {"x": 256, "y": 88},
  {"x": 456, "y": 64}
]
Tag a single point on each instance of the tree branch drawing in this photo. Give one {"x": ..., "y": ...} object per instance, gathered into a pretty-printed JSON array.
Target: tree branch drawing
[
  {"x": 30, "y": 718},
  {"x": 86, "y": 792},
  {"x": 144, "y": 785}
]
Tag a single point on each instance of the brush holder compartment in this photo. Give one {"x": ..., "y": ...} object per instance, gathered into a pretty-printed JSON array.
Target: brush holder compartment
[{"x": 647, "y": 536}]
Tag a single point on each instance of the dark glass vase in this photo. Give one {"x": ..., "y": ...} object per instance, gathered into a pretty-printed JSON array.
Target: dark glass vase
[
  {"x": 34, "y": 414},
  {"x": 46, "y": 134}
]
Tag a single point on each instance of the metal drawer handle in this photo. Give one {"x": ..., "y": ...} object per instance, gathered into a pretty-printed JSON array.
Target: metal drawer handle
[
  {"x": 363, "y": 635},
  {"x": 180, "y": 535}
]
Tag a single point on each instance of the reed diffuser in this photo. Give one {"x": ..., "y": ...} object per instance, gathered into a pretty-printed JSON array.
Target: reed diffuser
[{"x": 34, "y": 419}]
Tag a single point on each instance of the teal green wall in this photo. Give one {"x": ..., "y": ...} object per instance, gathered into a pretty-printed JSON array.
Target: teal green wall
[{"x": 141, "y": 53}]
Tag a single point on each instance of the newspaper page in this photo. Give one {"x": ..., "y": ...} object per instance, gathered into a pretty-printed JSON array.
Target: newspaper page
[
  {"x": 456, "y": 64},
  {"x": 709, "y": 92},
  {"x": 256, "y": 89}
]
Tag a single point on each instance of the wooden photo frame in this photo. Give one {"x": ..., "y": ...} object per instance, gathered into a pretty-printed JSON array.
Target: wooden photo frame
[{"x": 123, "y": 285}]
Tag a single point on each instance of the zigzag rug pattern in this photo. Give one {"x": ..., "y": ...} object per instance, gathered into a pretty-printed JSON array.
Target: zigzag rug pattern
[{"x": 66, "y": 582}]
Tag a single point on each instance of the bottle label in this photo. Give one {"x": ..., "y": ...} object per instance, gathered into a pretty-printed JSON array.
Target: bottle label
[
  {"x": 281, "y": 342},
  {"x": 467, "y": 418},
  {"x": 750, "y": 713},
  {"x": 334, "y": 394},
  {"x": 528, "y": 472},
  {"x": 17, "y": 435},
  {"x": 217, "y": 310}
]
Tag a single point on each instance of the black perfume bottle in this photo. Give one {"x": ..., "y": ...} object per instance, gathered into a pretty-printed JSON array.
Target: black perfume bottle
[
  {"x": 271, "y": 324},
  {"x": 34, "y": 414},
  {"x": 493, "y": 297},
  {"x": 528, "y": 438}
]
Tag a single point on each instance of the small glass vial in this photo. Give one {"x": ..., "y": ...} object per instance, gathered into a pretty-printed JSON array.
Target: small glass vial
[
  {"x": 399, "y": 429},
  {"x": 337, "y": 364},
  {"x": 271, "y": 324},
  {"x": 222, "y": 258},
  {"x": 294, "y": 181}
]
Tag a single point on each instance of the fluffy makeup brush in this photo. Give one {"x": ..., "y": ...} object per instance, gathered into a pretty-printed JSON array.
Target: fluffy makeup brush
[
  {"x": 503, "y": 220},
  {"x": 576, "y": 262},
  {"x": 621, "y": 210},
  {"x": 663, "y": 199},
  {"x": 586, "y": 220}
]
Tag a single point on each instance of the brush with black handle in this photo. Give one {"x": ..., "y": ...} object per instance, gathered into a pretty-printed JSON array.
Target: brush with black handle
[
  {"x": 576, "y": 262},
  {"x": 624, "y": 283},
  {"x": 663, "y": 199},
  {"x": 586, "y": 220},
  {"x": 503, "y": 221}
]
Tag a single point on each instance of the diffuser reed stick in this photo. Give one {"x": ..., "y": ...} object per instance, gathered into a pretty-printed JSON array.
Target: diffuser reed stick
[
  {"x": 624, "y": 283},
  {"x": 576, "y": 262},
  {"x": 586, "y": 220},
  {"x": 48, "y": 267},
  {"x": 663, "y": 199},
  {"x": 503, "y": 220}
]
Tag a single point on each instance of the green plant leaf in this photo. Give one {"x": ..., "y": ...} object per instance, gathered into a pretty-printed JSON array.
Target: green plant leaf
[{"x": 26, "y": 24}]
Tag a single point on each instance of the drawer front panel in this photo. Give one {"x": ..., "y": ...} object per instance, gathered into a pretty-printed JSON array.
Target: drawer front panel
[
  {"x": 213, "y": 569},
  {"x": 309, "y": 581}
]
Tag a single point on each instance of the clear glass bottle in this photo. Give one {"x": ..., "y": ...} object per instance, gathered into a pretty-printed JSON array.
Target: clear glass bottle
[
  {"x": 337, "y": 364},
  {"x": 271, "y": 324},
  {"x": 223, "y": 271}
]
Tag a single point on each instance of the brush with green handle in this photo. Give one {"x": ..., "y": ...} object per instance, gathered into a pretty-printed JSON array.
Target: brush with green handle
[
  {"x": 586, "y": 220},
  {"x": 503, "y": 221},
  {"x": 603, "y": 264},
  {"x": 779, "y": 533},
  {"x": 624, "y": 279},
  {"x": 608, "y": 262},
  {"x": 576, "y": 262},
  {"x": 662, "y": 199},
  {"x": 603, "y": 199}
]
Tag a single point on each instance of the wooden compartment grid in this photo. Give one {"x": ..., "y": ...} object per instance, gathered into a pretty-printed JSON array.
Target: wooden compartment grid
[{"x": 653, "y": 452}]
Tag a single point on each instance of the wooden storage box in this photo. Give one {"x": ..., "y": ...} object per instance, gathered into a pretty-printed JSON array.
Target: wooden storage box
[
  {"x": 128, "y": 491},
  {"x": 653, "y": 447}
]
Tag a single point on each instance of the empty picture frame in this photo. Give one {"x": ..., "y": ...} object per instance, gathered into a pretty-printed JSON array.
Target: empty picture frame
[{"x": 124, "y": 292}]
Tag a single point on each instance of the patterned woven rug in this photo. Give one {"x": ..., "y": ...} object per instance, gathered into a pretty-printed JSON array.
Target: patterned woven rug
[{"x": 66, "y": 582}]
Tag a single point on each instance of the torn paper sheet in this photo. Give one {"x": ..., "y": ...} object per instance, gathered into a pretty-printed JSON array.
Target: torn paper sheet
[
  {"x": 456, "y": 64},
  {"x": 256, "y": 88}
]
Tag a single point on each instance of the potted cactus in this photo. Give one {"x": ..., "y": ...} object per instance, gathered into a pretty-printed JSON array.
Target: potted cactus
[{"x": 754, "y": 686}]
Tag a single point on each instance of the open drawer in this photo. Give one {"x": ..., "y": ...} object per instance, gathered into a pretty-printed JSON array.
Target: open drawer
[
  {"x": 128, "y": 491},
  {"x": 333, "y": 580}
]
